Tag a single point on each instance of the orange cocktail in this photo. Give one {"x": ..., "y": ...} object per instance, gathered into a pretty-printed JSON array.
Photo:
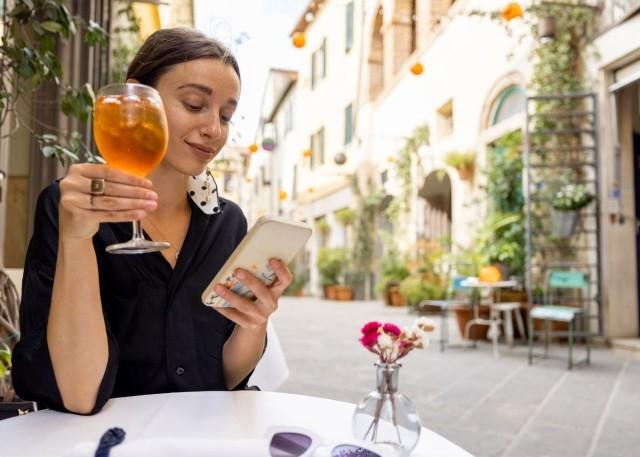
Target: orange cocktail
[{"x": 130, "y": 132}]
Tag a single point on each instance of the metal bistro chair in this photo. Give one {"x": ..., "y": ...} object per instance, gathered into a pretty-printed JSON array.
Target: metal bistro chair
[
  {"x": 442, "y": 307},
  {"x": 566, "y": 299}
]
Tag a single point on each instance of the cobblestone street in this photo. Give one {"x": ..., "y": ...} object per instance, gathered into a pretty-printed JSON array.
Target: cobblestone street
[{"x": 489, "y": 406}]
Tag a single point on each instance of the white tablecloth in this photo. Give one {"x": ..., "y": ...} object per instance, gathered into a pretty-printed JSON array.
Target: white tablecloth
[{"x": 242, "y": 415}]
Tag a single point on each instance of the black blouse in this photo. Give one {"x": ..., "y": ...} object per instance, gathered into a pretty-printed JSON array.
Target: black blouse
[{"x": 161, "y": 337}]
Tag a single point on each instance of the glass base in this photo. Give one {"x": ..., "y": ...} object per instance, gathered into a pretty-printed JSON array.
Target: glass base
[{"x": 137, "y": 247}]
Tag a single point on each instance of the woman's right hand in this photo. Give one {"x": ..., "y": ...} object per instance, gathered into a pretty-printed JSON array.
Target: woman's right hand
[{"x": 126, "y": 198}]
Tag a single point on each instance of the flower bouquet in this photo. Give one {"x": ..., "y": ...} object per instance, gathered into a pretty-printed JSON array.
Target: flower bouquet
[
  {"x": 571, "y": 197},
  {"x": 385, "y": 416}
]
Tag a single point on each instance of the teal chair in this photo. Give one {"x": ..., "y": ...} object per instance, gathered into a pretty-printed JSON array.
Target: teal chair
[{"x": 566, "y": 299}]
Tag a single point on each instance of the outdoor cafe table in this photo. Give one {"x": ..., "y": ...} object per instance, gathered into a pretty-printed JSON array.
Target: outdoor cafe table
[{"x": 194, "y": 415}]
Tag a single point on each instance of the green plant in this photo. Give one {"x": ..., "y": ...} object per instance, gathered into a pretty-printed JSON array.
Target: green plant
[
  {"x": 461, "y": 160},
  {"x": 392, "y": 270},
  {"x": 300, "y": 278},
  {"x": 322, "y": 226},
  {"x": 331, "y": 265},
  {"x": 403, "y": 166},
  {"x": 416, "y": 288},
  {"x": 125, "y": 40},
  {"x": 7, "y": 393},
  {"x": 346, "y": 216},
  {"x": 571, "y": 197},
  {"x": 31, "y": 34},
  {"x": 504, "y": 174}
]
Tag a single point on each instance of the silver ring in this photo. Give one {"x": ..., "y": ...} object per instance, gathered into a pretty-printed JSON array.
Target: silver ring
[{"x": 97, "y": 187}]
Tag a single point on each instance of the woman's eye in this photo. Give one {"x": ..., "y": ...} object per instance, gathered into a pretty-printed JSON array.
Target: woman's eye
[
  {"x": 191, "y": 107},
  {"x": 226, "y": 119}
]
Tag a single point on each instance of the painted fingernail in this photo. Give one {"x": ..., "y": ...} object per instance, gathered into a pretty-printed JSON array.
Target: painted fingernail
[
  {"x": 149, "y": 205},
  {"x": 240, "y": 274},
  {"x": 151, "y": 196},
  {"x": 220, "y": 290}
]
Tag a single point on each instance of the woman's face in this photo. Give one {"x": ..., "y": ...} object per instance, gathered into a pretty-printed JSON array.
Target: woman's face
[{"x": 199, "y": 97}]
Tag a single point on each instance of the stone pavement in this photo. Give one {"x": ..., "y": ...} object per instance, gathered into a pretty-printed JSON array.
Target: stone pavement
[{"x": 489, "y": 406}]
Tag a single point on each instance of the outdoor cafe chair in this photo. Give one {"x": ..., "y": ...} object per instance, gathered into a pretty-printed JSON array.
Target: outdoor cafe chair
[
  {"x": 456, "y": 296},
  {"x": 565, "y": 300}
]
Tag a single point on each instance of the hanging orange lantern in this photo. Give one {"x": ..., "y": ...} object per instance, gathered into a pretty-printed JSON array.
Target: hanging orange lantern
[
  {"x": 511, "y": 11},
  {"x": 307, "y": 153},
  {"x": 417, "y": 68},
  {"x": 298, "y": 40},
  {"x": 253, "y": 148},
  {"x": 282, "y": 195}
]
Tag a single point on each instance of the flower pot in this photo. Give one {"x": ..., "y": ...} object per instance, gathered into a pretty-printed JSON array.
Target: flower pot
[
  {"x": 466, "y": 173},
  {"x": 395, "y": 297},
  {"x": 563, "y": 223},
  {"x": 342, "y": 293},
  {"x": 330, "y": 292}
]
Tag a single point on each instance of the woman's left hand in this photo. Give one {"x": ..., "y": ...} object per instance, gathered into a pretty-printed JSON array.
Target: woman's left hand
[{"x": 253, "y": 314}]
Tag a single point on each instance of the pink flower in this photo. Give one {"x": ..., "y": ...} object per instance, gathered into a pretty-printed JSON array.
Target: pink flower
[
  {"x": 371, "y": 327},
  {"x": 392, "y": 329},
  {"x": 369, "y": 340}
]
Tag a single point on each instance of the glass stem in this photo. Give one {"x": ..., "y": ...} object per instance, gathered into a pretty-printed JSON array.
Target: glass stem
[{"x": 137, "y": 232}]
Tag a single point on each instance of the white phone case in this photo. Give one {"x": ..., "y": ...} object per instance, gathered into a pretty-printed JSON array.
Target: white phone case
[{"x": 270, "y": 237}]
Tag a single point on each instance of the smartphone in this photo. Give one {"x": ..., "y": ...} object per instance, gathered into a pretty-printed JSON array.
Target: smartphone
[{"x": 270, "y": 237}]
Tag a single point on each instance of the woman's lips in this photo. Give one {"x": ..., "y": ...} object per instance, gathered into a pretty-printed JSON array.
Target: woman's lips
[{"x": 200, "y": 151}]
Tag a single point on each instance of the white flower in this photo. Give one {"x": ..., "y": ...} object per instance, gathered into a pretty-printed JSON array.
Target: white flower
[{"x": 385, "y": 342}]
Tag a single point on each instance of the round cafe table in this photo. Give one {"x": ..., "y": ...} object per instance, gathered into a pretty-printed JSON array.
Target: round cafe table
[{"x": 194, "y": 415}]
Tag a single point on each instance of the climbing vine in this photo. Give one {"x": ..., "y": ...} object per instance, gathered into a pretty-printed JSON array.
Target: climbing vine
[{"x": 31, "y": 33}]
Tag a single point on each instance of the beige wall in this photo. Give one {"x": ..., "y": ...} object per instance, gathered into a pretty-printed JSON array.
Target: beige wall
[{"x": 618, "y": 48}]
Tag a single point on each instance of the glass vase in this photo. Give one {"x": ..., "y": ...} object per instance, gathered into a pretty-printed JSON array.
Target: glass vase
[{"x": 385, "y": 417}]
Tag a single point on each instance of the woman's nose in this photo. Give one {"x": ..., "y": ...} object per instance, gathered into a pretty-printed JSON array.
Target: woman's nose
[{"x": 211, "y": 128}]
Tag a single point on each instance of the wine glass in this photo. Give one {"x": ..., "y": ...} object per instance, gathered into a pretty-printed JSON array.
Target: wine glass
[{"x": 130, "y": 130}]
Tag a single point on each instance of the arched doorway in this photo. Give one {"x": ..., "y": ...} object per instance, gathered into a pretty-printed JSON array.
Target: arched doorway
[{"x": 435, "y": 196}]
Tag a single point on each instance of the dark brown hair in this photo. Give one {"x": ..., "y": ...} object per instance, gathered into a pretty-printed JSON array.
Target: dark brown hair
[{"x": 167, "y": 47}]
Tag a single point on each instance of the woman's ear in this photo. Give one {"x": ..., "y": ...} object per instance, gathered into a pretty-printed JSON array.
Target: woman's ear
[{"x": 133, "y": 81}]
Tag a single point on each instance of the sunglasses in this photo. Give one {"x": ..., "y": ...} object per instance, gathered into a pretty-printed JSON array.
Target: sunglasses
[{"x": 302, "y": 443}]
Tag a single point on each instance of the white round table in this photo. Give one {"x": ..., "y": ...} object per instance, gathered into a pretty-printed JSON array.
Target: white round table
[{"x": 189, "y": 415}]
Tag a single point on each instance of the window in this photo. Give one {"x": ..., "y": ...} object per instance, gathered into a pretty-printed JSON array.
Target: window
[
  {"x": 288, "y": 116},
  {"x": 508, "y": 103},
  {"x": 319, "y": 64},
  {"x": 348, "y": 41},
  {"x": 348, "y": 124},
  {"x": 444, "y": 126},
  {"x": 317, "y": 148}
]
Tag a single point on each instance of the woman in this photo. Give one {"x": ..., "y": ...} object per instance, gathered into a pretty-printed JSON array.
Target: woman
[{"x": 97, "y": 325}]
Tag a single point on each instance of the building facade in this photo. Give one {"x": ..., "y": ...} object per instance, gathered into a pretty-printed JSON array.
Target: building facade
[{"x": 359, "y": 60}]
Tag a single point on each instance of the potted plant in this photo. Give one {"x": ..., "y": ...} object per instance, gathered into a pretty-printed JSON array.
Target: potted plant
[
  {"x": 322, "y": 227},
  {"x": 464, "y": 162},
  {"x": 331, "y": 266},
  {"x": 299, "y": 281},
  {"x": 393, "y": 271},
  {"x": 419, "y": 287},
  {"x": 565, "y": 205}
]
